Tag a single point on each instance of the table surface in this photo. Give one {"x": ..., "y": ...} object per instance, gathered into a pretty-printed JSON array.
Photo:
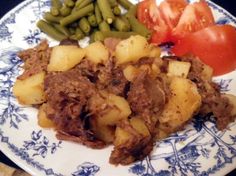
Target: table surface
[{"x": 9, "y": 4}]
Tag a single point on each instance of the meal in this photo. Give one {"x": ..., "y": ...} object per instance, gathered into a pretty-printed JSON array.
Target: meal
[{"x": 119, "y": 92}]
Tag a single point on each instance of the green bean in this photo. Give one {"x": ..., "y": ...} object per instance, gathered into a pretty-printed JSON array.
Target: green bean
[
  {"x": 62, "y": 29},
  {"x": 138, "y": 27},
  {"x": 103, "y": 26},
  {"x": 120, "y": 25},
  {"x": 132, "y": 10},
  {"x": 116, "y": 10},
  {"x": 113, "y": 3},
  {"x": 77, "y": 15},
  {"x": 100, "y": 36},
  {"x": 56, "y": 3},
  {"x": 65, "y": 11},
  {"x": 92, "y": 20},
  {"x": 126, "y": 21},
  {"x": 98, "y": 14},
  {"x": 72, "y": 30},
  {"x": 50, "y": 18},
  {"x": 69, "y": 3},
  {"x": 84, "y": 3},
  {"x": 84, "y": 25},
  {"x": 125, "y": 3},
  {"x": 106, "y": 11},
  {"x": 78, "y": 2},
  {"x": 73, "y": 37},
  {"x": 54, "y": 11},
  {"x": 50, "y": 30},
  {"x": 79, "y": 33}
]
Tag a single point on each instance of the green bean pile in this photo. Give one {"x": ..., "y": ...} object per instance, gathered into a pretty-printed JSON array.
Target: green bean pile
[{"x": 75, "y": 19}]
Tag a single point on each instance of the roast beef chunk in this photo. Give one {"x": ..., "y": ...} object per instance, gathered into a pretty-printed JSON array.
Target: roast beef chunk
[
  {"x": 35, "y": 59},
  {"x": 147, "y": 98}
]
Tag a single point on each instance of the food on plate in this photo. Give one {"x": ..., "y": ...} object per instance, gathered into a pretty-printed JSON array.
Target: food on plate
[
  {"x": 215, "y": 46},
  {"x": 192, "y": 30},
  {"x": 80, "y": 18},
  {"x": 119, "y": 92}
]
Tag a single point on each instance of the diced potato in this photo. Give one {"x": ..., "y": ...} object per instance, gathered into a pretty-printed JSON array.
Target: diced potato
[
  {"x": 130, "y": 72},
  {"x": 117, "y": 109},
  {"x": 121, "y": 136},
  {"x": 178, "y": 68},
  {"x": 102, "y": 132},
  {"x": 97, "y": 52},
  {"x": 43, "y": 120},
  {"x": 207, "y": 72},
  {"x": 30, "y": 90},
  {"x": 184, "y": 101},
  {"x": 139, "y": 125},
  {"x": 65, "y": 57},
  {"x": 154, "y": 51},
  {"x": 131, "y": 49}
]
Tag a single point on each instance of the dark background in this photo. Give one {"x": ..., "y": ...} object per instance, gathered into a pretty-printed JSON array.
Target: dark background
[{"x": 6, "y": 5}]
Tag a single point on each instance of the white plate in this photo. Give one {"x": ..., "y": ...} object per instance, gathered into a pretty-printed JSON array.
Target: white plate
[{"x": 199, "y": 150}]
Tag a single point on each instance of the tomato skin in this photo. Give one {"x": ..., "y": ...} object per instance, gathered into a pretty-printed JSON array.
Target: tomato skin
[
  {"x": 214, "y": 45},
  {"x": 195, "y": 17},
  {"x": 149, "y": 14},
  {"x": 171, "y": 10}
]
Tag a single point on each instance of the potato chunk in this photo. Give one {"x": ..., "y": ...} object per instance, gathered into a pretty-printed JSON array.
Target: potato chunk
[
  {"x": 117, "y": 109},
  {"x": 121, "y": 136},
  {"x": 131, "y": 49},
  {"x": 65, "y": 57},
  {"x": 184, "y": 101},
  {"x": 43, "y": 120},
  {"x": 30, "y": 90},
  {"x": 97, "y": 52},
  {"x": 139, "y": 125},
  {"x": 178, "y": 68}
]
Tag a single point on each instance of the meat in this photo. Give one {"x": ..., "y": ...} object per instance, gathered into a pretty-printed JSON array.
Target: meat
[
  {"x": 67, "y": 96},
  {"x": 134, "y": 149},
  {"x": 212, "y": 100},
  {"x": 112, "y": 79},
  {"x": 35, "y": 59},
  {"x": 147, "y": 98}
]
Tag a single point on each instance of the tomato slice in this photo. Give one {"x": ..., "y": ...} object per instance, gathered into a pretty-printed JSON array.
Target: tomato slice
[
  {"x": 195, "y": 17},
  {"x": 214, "y": 45},
  {"x": 171, "y": 10},
  {"x": 149, "y": 14}
]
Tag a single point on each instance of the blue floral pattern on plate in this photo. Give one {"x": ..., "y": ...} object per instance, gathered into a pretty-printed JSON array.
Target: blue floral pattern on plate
[{"x": 200, "y": 149}]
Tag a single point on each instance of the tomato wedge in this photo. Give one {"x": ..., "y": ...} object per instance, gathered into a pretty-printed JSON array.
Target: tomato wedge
[
  {"x": 214, "y": 45},
  {"x": 149, "y": 14},
  {"x": 195, "y": 17},
  {"x": 171, "y": 10}
]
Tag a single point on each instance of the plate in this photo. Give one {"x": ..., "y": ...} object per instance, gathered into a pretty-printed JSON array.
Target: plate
[{"x": 200, "y": 149}]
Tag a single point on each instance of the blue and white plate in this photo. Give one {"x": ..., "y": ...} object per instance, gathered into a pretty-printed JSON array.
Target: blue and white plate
[{"x": 198, "y": 150}]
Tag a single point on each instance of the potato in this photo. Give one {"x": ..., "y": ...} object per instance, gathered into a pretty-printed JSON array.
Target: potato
[
  {"x": 154, "y": 51},
  {"x": 117, "y": 109},
  {"x": 139, "y": 125},
  {"x": 65, "y": 57},
  {"x": 30, "y": 90},
  {"x": 178, "y": 68},
  {"x": 121, "y": 136},
  {"x": 131, "y": 49},
  {"x": 130, "y": 72},
  {"x": 184, "y": 101},
  {"x": 97, "y": 52},
  {"x": 43, "y": 120},
  {"x": 102, "y": 132}
]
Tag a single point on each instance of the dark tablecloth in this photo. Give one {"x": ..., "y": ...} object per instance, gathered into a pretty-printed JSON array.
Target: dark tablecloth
[{"x": 6, "y": 5}]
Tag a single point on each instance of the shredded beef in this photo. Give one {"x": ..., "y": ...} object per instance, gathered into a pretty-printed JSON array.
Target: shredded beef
[
  {"x": 147, "y": 98},
  {"x": 212, "y": 100},
  {"x": 35, "y": 59},
  {"x": 67, "y": 96},
  {"x": 69, "y": 42}
]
